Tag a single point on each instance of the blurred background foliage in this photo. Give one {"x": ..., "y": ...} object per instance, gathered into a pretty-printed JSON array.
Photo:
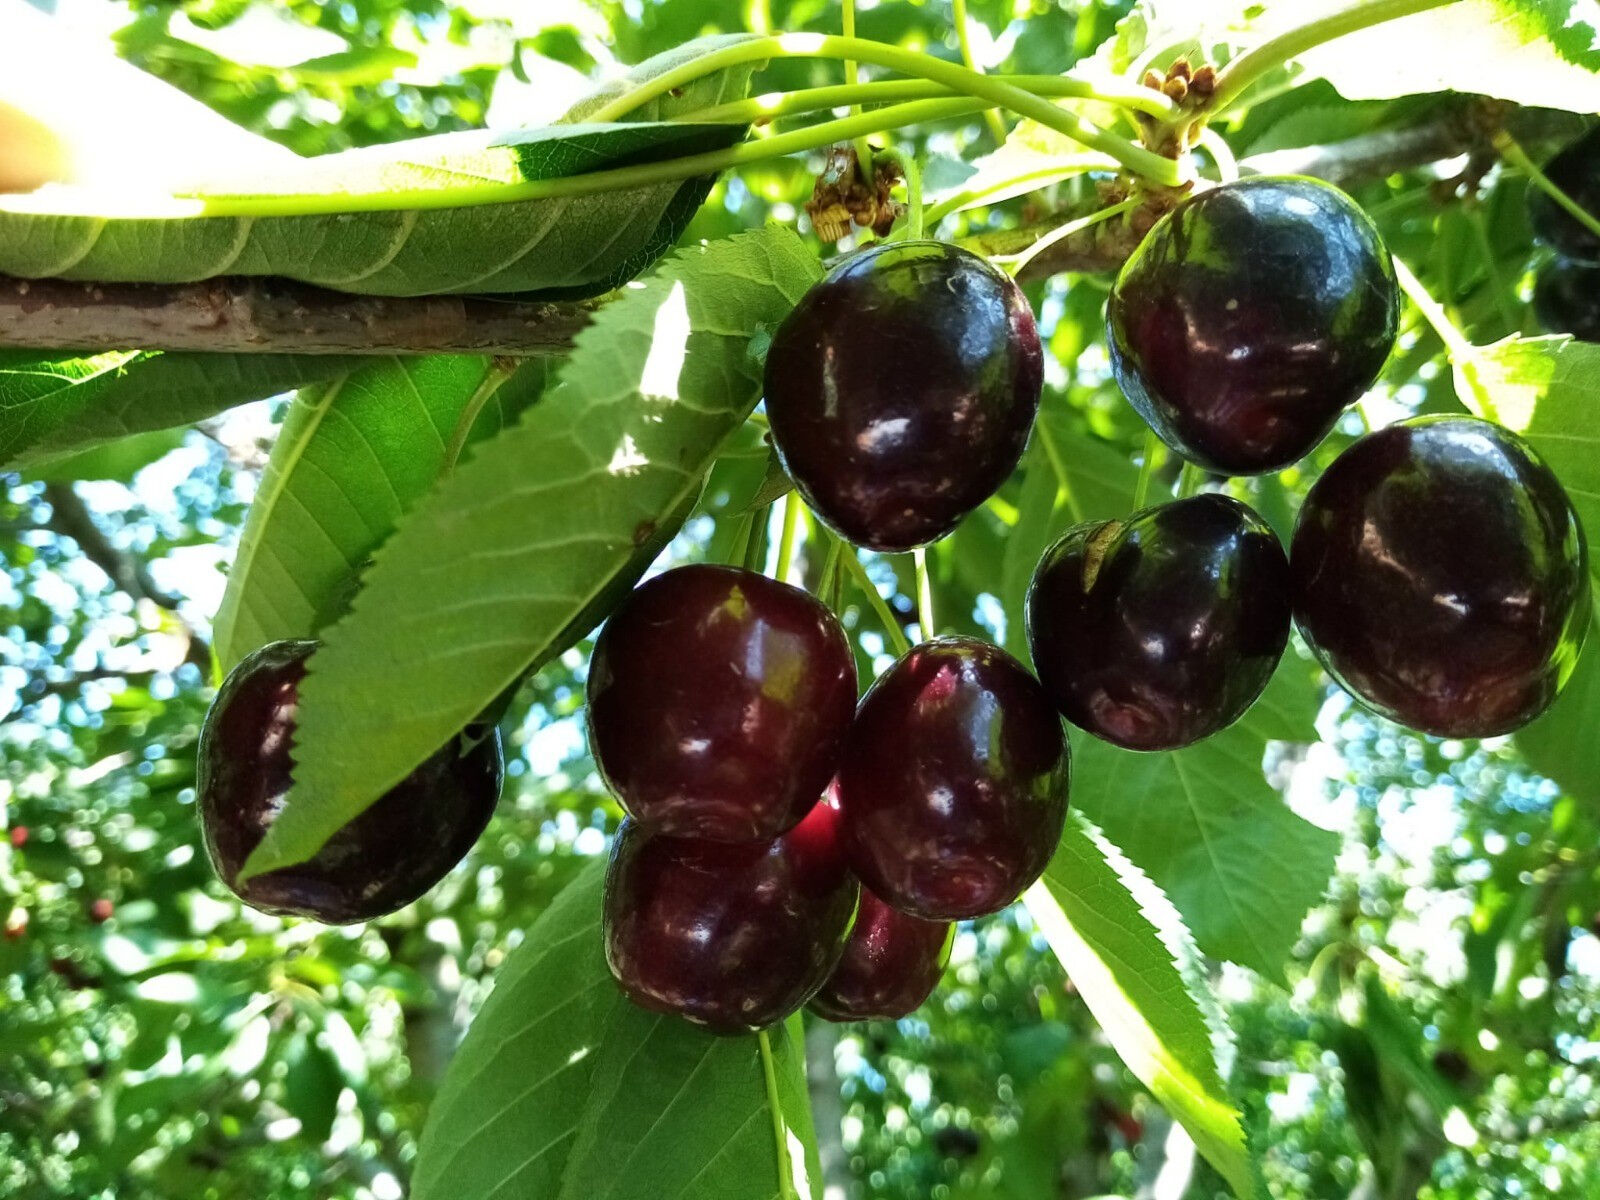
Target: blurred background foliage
[{"x": 1439, "y": 1033}]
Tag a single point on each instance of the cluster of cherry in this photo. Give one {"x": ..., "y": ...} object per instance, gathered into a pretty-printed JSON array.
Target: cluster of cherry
[
  {"x": 1566, "y": 292},
  {"x": 787, "y": 845}
]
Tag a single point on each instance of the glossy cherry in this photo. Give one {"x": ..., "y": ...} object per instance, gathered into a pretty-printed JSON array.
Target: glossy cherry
[
  {"x": 1249, "y": 318},
  {"x": 1440, "y": 574},
  {"x": 1576, "y": 171},
  {"x": 1566, "y": 299},
  {"x": 901, "y": 390},
  {"x": 890, "y": 966},
  {"x": 954, "y": 781},
  {"x": 1160, "y": 630},
  {"x": 731, "y": 936},
  {"x": 718, "y": 703},
  {"x": 384, "y": 859}
]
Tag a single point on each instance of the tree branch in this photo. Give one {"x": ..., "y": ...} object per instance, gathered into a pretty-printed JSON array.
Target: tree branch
[
  {"x": 272, "y": 316},
  {"x": 70, "y": 516}
]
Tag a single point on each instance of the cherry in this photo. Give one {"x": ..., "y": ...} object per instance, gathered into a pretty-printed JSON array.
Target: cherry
[
  {"x": 1566, "y": 299},
  {"x": 384, "y": 859},
  {"x": 1441, "y": 577},
  {"x": 101, "y": 911},
  {"x": 1157, "y": 631},
  {"x": 731, "y": 936},
  {"x": 1576, "y": 171},
  {"x": 718, "y": 703},
  {"x": 901, "y": 391},
  {"x": 1249, "y": 318},
  {"x": 19, "y": 836},
  {"x": 954, "y": 781},
  {"x": 890, "y": 965}
]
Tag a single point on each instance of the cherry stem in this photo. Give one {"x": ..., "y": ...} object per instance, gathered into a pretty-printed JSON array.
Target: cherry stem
[
  {"x": 771, "y": 106},
  {"x": 780, "y": 1132},
  {"x": 1215, "y": 145},
  {"x": 1015, "y": 265},
  {"x": 851, "y": 77},
  {"x": 880, "y": 606},
  {"x": 500, "y": 370},
  {"x": 1518, "y": 157},
  {"x": 828, "y": 579},
  {"x": 1153, "y": 448},
  {"x": 1238, "y": 75},
  {"x": 1190, "y": 480},
  {"x": 1025, "y": 181},
  {"x": 1463, "y": 354},
  {"x": 958, "y": 18},
  {"x": 1136, "y": 159},
  {"x": 919, "y": 560},
  {"x": 754, "y": 542},
  {"x": 912, "y": 175},
  {"x": 791, "y": 521}
]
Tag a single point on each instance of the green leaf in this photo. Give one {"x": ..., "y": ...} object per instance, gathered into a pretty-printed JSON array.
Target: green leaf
[
  {"x": 1126, "y": 950},
  {"x": 53, "y": 404},
  {"x": 120, "y": 460},
  {"x": 564, "y": 1089},
  {"x": 311, "y": 1088},
  {"x": 1206, "y": 826},
  {"x": 1540, "y": 53},
  {"x": 351, "y": 458},
  {"x": 1562, "y": 745},
  {"x": 1548, "y": 390},
  {"x": 459, "y": 212},
  {"x": 528, "y": 543}
]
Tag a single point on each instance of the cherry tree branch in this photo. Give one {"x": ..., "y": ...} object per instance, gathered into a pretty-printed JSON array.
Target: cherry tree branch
[{"x": 270, "y": 316}]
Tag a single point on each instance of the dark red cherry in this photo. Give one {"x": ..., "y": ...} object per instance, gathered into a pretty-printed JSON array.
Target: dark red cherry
[
  {"x": 718, "y": 703},
  {"x": 1441, "y": 576},
  {"x": 890, "y": 965},
  {"x": 1566, "y": 299},
  {"x": 384, "y": 859},
  {"x": 732, "y": 936},
  {"x": 1157, "y": 631},
  {"x": 901, "y": 391},
  {"x": 1249, "y": 318},
  {"x": 1576, "y": 171},
  {"x": 954, "y": 781}
]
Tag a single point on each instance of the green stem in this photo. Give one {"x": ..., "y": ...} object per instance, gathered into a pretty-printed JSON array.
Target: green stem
[
  {"x": 1027, "y": 181},
  {"x": 1214, "y": 144},
  {"x": 1153, "y": 447},
  {"x": 1458, "y": 347},
  {"x": 1016, "y": 264},
  {"x": 829, "y": 575},
  {"x": 616, "y": 179},
  {"x": 780, "y": 1132},
  {"x": 1189, "y": 480},
  {"x": 754, "y": 550},
  {"x": 774, "y": 105},
  {"x": 1518, "y": 157},
  {"x": 913, "y": 182},
  {"x": 851, "y": 77},
  {"x": 499, "y": 371},
  {"x": 908, "y": 62},
  {"x": 791, "y": 522},
  {"x": 1239, "y": 74},
  {"x": 880, "y": 607},
  {"x": 919, "y": 560},
  {"x": 958, "y": 17},
  {"x": 1456, "y": 344}
]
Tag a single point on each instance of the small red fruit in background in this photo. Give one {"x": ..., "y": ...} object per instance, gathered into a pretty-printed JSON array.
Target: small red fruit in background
[
  {"x": 100, "y": 911},
  {"x": 19, "y": 836}
]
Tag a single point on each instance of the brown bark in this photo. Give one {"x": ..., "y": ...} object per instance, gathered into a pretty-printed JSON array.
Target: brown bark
[{"x": 268, "y": 316}]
